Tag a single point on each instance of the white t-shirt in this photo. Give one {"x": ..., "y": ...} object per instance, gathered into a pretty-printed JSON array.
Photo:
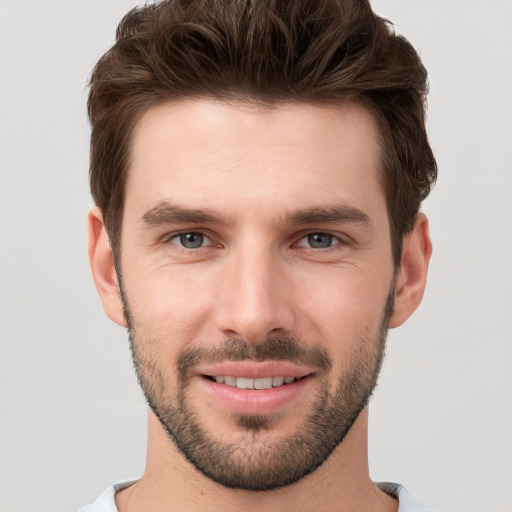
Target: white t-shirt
[{"x": 106, "y": 501}]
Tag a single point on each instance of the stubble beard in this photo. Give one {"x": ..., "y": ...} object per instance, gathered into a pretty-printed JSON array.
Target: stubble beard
[{"x": 248, "y": 462}]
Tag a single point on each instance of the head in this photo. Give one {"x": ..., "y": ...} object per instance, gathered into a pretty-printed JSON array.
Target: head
[{"x": 258, "y": 170}]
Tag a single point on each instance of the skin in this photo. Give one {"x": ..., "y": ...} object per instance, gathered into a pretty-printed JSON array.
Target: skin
[{"x": 257, "y": 275}]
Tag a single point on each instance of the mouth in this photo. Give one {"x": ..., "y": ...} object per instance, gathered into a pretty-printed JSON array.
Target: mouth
[
  {"x": 256, "y": 388},
  {"x": 248, "y": 383}
]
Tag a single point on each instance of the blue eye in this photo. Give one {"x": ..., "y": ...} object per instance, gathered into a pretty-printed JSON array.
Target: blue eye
[
  {"x": 191, "y": 240},
  {"x": 318, "y": 241}
]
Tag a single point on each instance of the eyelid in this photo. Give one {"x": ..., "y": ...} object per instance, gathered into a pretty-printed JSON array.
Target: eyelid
[
  {"x": 170, "y": 237},
  {"x": 340, "y": 238}
]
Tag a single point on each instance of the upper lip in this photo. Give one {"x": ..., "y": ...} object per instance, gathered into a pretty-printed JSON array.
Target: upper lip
[{"x": 254, "y": 370}]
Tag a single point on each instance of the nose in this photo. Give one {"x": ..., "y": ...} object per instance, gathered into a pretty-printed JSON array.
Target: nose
[{"x": 255, "y": 298}]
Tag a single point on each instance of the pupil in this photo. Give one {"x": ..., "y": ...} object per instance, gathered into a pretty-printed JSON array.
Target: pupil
[
  {"x": 320, "y": 240},
  {"x": 191, "y": 240}
]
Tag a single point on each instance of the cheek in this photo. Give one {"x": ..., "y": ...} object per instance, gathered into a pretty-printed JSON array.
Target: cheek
[
  {"x": 348, "y": 307},
  {"x": 168, "y": 305}
]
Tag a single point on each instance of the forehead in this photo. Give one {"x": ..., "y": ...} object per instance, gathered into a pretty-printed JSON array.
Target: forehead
[{"x": 240, "y": 156}]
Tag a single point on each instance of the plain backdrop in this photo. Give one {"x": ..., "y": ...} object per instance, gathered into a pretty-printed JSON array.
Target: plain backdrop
[{"x": 72, "y": 417}]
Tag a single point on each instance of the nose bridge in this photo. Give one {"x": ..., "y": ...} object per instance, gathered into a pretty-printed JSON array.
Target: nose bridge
[{"x": 254, "y": 299}]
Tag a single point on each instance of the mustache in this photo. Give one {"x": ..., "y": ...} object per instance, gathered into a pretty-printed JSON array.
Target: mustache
[{"x": 287, "y": 349}]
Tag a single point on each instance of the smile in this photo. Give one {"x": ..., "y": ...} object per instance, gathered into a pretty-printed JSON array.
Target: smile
[
  {"x": 247, "y": 383},
  {"x": 255, "y": 395}
]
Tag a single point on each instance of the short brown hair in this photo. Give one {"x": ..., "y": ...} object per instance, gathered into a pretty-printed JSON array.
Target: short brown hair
[{"x": 264, "y": 51}]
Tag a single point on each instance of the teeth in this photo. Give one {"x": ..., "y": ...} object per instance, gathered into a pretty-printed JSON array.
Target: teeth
[
  {"x": 230, "y": 381},
  {"x": 262, "y": 383},
  {"x": 277, "y": 381},
  {"x": 265, "y": 383},
  {"x": 243, "y": 383}
]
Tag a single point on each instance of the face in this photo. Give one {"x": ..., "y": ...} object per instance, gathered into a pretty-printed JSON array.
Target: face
[{"x": 257, "y": 281}]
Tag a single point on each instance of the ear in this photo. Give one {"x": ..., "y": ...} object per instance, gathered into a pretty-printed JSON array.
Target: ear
[
  {"x": 104, "y": 273},
  {"x": 412, "y": 276}
]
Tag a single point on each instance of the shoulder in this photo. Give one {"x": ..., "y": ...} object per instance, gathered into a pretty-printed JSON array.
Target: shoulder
[
  {"x": 406, "y": 503},
  {"x": 106, "y": 502}
]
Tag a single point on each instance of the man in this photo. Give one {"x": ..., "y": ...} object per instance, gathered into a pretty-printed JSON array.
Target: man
[{"x": 258, "y": 169}]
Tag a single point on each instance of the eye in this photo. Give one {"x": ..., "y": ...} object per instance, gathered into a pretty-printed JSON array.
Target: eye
[
  {"x": 318, "y": 241},
  {"x": 190, "y": 240}
]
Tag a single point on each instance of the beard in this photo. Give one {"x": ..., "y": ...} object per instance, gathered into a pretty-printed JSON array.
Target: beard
[{"x": 251, "y": 460}]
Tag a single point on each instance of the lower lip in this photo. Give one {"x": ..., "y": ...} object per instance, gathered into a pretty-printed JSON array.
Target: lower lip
[{"x": 254, "y": 401}]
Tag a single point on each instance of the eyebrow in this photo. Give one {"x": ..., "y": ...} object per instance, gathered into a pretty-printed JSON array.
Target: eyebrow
[
  {"x": 165, "y": 213},
  {"x": 331, "y": 214}
]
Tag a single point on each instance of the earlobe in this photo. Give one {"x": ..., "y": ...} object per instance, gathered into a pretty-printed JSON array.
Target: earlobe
[
  {"x": 103, "y": 270},
  {"x": 412, "y": 276}
]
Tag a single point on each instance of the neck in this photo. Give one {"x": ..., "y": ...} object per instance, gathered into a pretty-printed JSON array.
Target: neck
[{"x": 170, "y": 482}]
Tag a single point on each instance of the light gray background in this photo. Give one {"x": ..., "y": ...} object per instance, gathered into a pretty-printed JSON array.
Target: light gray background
[{"x": 72, "y": 417}]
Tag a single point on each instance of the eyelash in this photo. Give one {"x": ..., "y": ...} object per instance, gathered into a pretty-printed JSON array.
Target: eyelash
[
  {"x": 336, "y": 241},
  {"x": 172, "y": 236}
]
